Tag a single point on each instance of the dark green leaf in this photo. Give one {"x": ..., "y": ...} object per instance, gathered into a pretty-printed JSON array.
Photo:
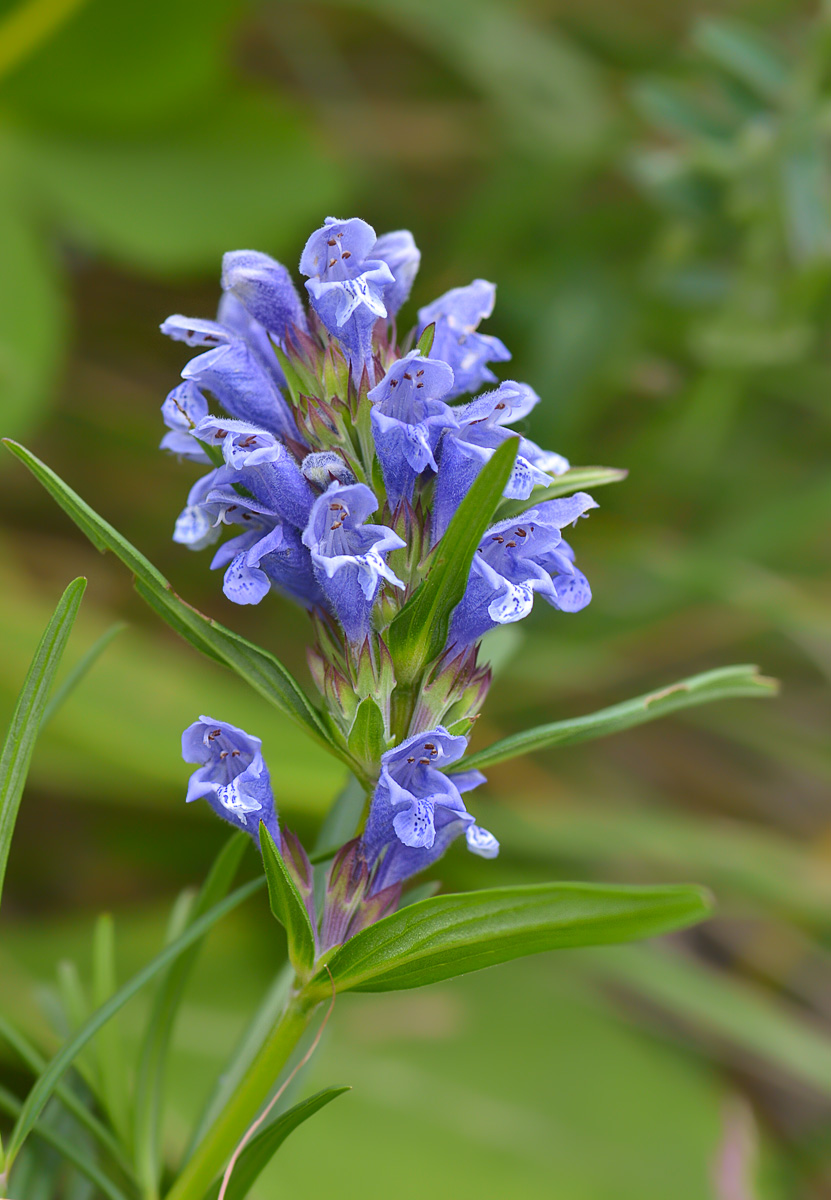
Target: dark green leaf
[
  {"x": 262, "y": 670},
  {"x": 261, "y": 1149},
  {"x": 722, "y": 684},
  {"x": 451, "y": 935},
  {"x": 419, "y": 632},
  {"x": 153, "y": 1057},
  {"x": 28, "y": 714},
  {"x": 287, "y": 905},
  {"x": 45, "y": 1085}
]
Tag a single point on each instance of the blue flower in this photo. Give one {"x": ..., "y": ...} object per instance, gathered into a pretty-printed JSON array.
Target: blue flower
[
  {"x": 264, "y": 467},
  {"x": 457, "y": 315},
  {"x": 183, "y": 409},
  {"x": 403, "y": 257},
  {"x": 235, "y": 369},
  {"x": 347, "y": 285},
  {"x": 266, "y": 291},
  {"x": 348, "y": 556},
  {"x": 196, "y": 525},
  {"x": 267, "y": 553},
  {"x": 517, "y": 559},
  {"x": 480, "y": 429},
  {"x": 417, "y": 810},
  {"x": 231, "y": 776},
  {"x": 408, "y": 416}
]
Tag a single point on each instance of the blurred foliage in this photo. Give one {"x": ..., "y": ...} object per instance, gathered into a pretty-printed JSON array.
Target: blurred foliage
[{"x": 651, "y": 189}]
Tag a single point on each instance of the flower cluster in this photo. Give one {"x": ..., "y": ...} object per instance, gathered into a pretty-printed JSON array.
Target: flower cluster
[{"x": 338, "y": 454}]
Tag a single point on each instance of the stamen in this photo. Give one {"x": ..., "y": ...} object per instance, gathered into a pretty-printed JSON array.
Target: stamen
[
  {"x": 393, "y": 383},
  {"x": 346, "y": 254},
  {"x": 331, "y": 242},
  {"x": 418, "y": 385},
  {"x": 407, "y": 375},
  {"x": 510, "y": 545},
  {"x": 337, "y": 525},
  {"x": 498, "y": 538},
  {"x": 220, "y": 434},
  {"x": 424, "y": 762},
  {"x": 520, "y": 533},
  {"x": 235, "y": 753},
  {"x": 223, "y": 754},
  {"x": 214, "y": 734},
  {"x": 410, "y": 760},
  {"x": 499, "y": 406},
  {"x": 332, "y": 261},
  {"x": 419, "y": 373}
]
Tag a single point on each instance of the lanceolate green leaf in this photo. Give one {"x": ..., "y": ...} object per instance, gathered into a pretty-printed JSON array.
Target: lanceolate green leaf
[
  {"x": 28, "y": 714},
  {"x": 722, "y": 684},
  {"x": 262, "y": 670},
  {"x": 419, "y": 632},
  {"x": 578, "y": 479},
  {"x": 81, "y": 668},
  {"x": 287, "y": 905},
  {"x": 261, "y": 1149},
  {"x": 44, "y": 1087},
  {"x": 450, "y": 935}
]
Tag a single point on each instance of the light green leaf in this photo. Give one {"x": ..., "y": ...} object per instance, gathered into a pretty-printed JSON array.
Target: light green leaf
[
  {"x": 265, "y": 673},
  {"x": 578, "y": 479},
  {"x": 721, "y": 684},
  {"x": 153, "y": 1057},
  {"x": 741, "y": 52},
  {"x": 287, "y": 905},
  {"x": 260, "y": 1150},
  {"x": 112, "y": 1067},
  {"x": 28, "y": 714},
  {"x": 445, "y": 936},
  {"x": 44, "y": 1087},
  {"x": 419, "y": 631},
  {"x": 67, "y": 1148},
  {"x": 366, "y": 740},
  {"x": 739, "y": 1014}
]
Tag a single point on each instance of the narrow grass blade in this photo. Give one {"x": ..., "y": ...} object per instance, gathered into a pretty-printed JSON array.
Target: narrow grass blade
[
  {"x": 28, "y": 714},
  {"x": 153, "y": 1056},
  {"x": 112, "y": 1066},
  {"x": 44, "y": 1087},
  {"x": 722, "y": 684}
]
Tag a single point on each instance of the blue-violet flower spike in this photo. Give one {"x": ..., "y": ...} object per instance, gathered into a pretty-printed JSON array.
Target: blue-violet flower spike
[
  {"x": 517, "y": 559},
  {"x": 417, "y": 810},
  {"x": 349, "y": 556},
  {"x": 266, "y": 290},
  {"x": 457, "y": 315},
  {"x": 232, "y": 775},
  {"x": 408, "y": 416},
  {"x": 346, "y": 285},
  {"x": 403, "y": 257}
]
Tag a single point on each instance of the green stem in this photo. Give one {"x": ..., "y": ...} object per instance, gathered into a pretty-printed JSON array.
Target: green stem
[{"x": 219, "y": 1143}]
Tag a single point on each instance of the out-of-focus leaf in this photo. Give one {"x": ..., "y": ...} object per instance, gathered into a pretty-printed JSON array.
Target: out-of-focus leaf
[
  {"x": 721, "y": 684},
  {"x": 418, "y": 633},
  {"x": 67, "y": 685},
  {"x": 25, "y": 723},
  {"x": 32, "y": 317},
  {"x": 741, "y": 52},
  {"x": 44, "y": 1087},
  {"x": 68, "y": 1148},
  {"x": 262, "y": 1148},
  {"x": 287, "y": 905},
  {"x": 28, "y": 25},
  {"x": 111, "y": 1062},
  {"x": 775, "y": 1035},
  {"x": 176, "y": 202},
  {"x": 147, "y": 1105},
  {"x": 341, "y": 822},
  {"x": 451, "y": 935},
  {"x": 131, "y": 64},
  {"x": 262, "y": 670}
]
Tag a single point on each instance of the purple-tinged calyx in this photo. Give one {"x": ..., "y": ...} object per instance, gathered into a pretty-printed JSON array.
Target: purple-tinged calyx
[
  {"x": 456, "y": 341},
  {"x": 349, "y": 556},
  {"x": 349, "y": 904},
  {"x": 417, "y": 810},
  {"x": 347, "y": 285},
  {"x": 231, "y": 775},
  {"x": 517, "y": 559},
  {"x": 408, "y": 417}
]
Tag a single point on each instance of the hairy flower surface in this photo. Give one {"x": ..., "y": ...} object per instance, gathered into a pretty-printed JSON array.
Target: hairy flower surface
[{"x": 311, "y": 420}]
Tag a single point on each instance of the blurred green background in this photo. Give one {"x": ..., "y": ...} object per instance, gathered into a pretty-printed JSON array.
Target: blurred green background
[{"x": 650, "y": 187}]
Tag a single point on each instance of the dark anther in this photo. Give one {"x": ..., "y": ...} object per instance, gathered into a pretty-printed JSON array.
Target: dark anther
[
  {"x": 510, "y": 545},
  {"x": 407, "y": 375},
  {"x": 346, "y": 254},
  {"x": 331, "y": 242},
  {"x": 424, "y": 762},
  {"x": 520, "y": 533},
  {"x": 393, "y": 383},
  {"x": 246, "y": 516},
  {"x": 235, "y": 753},
  {"x": 429, "y": 746},
  {"x": 419, "y": 373},
  {"x": 231, "y": 508},
  {"x": 418, "y": 385},
  {"x": 220, "y": 434},
  {"x": 223, "y": 754},
  {"x": 337, "y": 525},
  {"x": 332, "y": 261},
  {"x": 214, "y": 734},
  {"x": 499, "y": 406},
  {"x": 498, "y": 538},
  {"x": 410, "y": 760},
  {"x": 251, "y": 440},
  {"x": 532, "y": 527}
]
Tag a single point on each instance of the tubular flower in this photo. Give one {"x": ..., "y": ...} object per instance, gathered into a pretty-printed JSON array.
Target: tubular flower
[{"x": 231, "y": 775}]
